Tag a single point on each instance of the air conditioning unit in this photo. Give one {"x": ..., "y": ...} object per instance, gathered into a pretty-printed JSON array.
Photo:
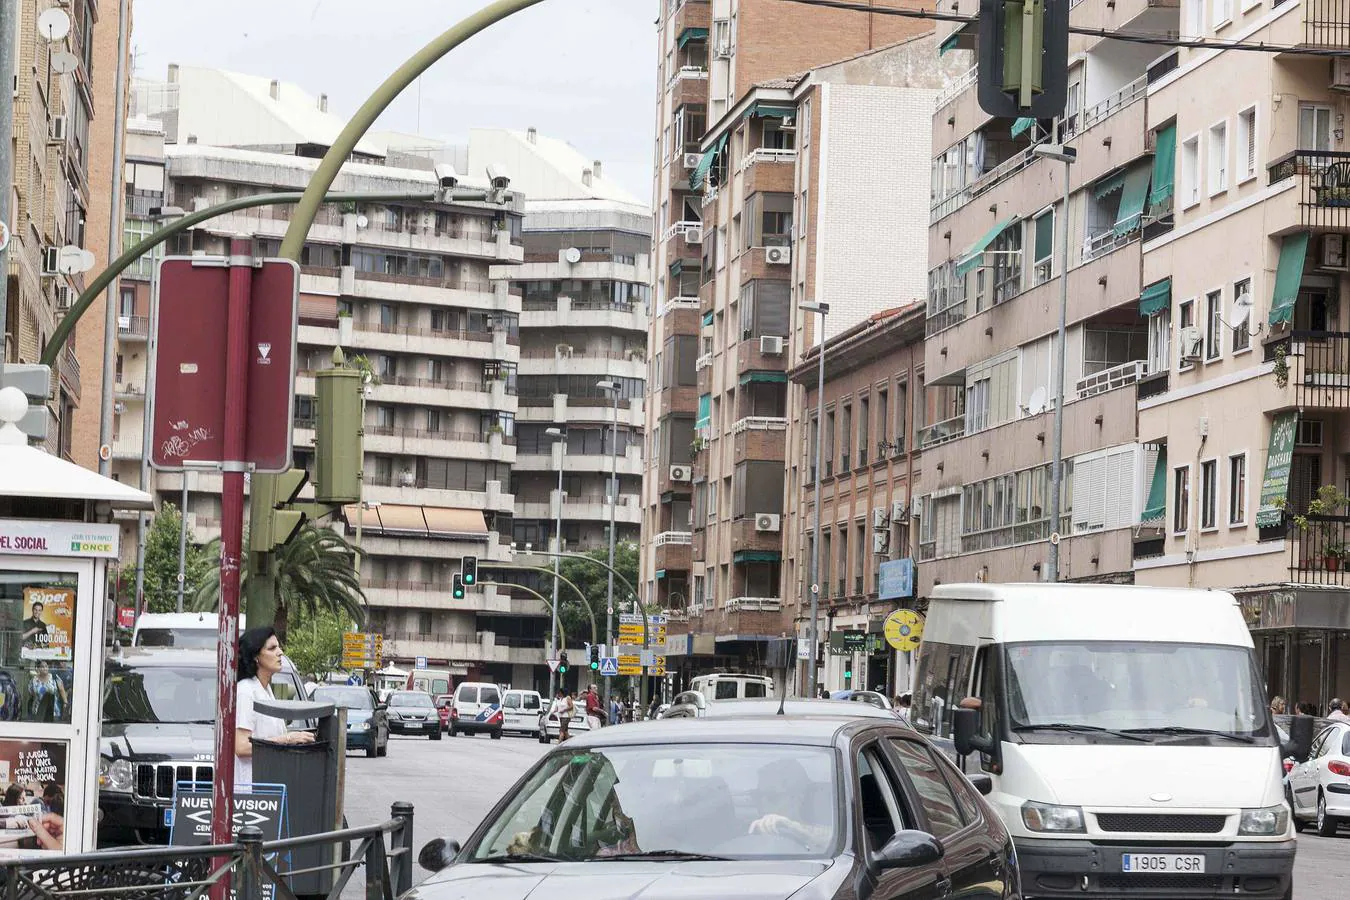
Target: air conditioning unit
[
  {"x": 1333, "y": 252},
  {"x": 881, "y": 542},
  {"x": 691, "y": 160},
  {"x": 899, "y": 512},
  {"x": 50, "y": 256},
  {"x": 1340, "y": 74},
  {"x": 880, "y": 519},
  {"x": 1191, "y": 338},
  {"x": 768, "y": 522},
  {"x": 63, "y": 299},
  {"x": 723, "y": 50},
  {"x": 693, "y": 234},
  {"x": 680, "y": 473},
  {"x": 778, "y": 256},
  {"x": 916, "y": 511},
  {"x": 58, "y": 129},
  {"x": 771, "y": 345},
  {"x": 564, "y": 350}
]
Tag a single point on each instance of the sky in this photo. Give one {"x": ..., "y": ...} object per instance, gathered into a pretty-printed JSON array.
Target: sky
[{"x": 582, "y": 71}]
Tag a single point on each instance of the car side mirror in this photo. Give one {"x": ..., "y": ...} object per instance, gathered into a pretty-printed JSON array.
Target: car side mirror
[
  {"x": 965, "y": 730},
  {"x": 437, "y": 854},
  {"x": 983, "y": 783},
  {"x": 909, "y": 849},
  {"x": 1300, "y": 740}
]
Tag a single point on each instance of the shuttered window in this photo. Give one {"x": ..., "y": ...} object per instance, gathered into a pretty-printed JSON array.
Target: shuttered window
[{"x": 1103, "y": 489}]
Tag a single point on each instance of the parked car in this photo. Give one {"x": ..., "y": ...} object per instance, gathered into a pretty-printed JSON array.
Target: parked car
[
  {"x": 814, "y": 806},
  {"x": 1318, "y": 789},
  {"x": 520, "y": 712},
  {"x": 159, "y": 713},
  {"x": 550, "y": 727},
  {"x": 412, "y": 712},
  {"x": 871, "y": 698},
  {"x": 367, "y": 717},
  {"x": 477, "y": 708}
]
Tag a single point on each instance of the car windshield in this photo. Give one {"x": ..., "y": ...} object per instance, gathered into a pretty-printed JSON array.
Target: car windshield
[
  {"x": 345, "y": 697},
  {"x": 191, "y": 638},
  {"x": 1144, "y": 688},
  {"x": 410, "y": 699},
  {"x": 723, "y": 800},
  {"x": 160, "y": 694}
]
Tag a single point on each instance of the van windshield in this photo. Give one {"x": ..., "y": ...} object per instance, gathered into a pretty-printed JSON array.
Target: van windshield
[
  {"x": 1156, "y": 690},
  {"x": 192, "y": 638}
]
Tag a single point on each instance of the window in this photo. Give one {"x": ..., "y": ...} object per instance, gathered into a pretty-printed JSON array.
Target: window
[
  {"x": 1222, "y": 11},
  {"x": 1314, "y": 127},
  {"x": 1213, "y": 325},
  {"x": 864, "y": 428},
  {"x": 1218, "y": 156},
  {"x": 881, "y": 812},
  {"x": 1242, "y": 307},
  {"x": 977, "y": 406},
  {"x": 384, "y": 417},
  {"x": 935, "y": 794},
  {"x": 1209, "y": 492},
  {"x": 1192, "y": 18},
  {"x": 1190, "y": 172},
  {"x": 1237, "y": 489},
  {"x": 1246, "y": 144},
  {"x": 1186, "y": 320},
  {"x": 1045, "y": 244},
  {"x": 1159, "y": 340},
  {"x": 845, "y": 438},
  {"x": 1181, "y": 499},
  {"x": 883, "y": 412}
]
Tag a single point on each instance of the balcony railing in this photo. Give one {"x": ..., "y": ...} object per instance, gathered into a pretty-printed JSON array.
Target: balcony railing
[
  {"x": 1104, "y": 109},
  {"x": 759, "y": 423},
  {"x": 673, "y": 537},
  {"x": 675, "y": 303},
  {"x": 694, "y": 72},
  {"x": 1162, "y": 65},
  {"x": 1326, "y": 23},
  {"x": 1109, "y": 379},
  {"x": 703, "y": 362},
  {"x": 133, "y": 326},
  {"x": 767, "y": 155},
  {"x": 987, "y": 181},
  {"x": 1319, "y": 368},
  {"x": 1103, "y": 243},
  {"x": 945, "y": 318},
  {"x": 941, "y": 432},
  {"x": 754, "y": 604},
  {"x": 956, "y": 88},
  {"x": 1324, "y": 192},
  {"x": 1317, "y": 553}
]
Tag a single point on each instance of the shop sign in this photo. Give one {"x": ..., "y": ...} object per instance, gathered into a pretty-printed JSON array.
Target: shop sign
[
  {"x": 897, "y": 579},
  {"x": 33, "y": 538},
  {"x": 38, "y": 770},
  {"x": 844, "y": 643}
]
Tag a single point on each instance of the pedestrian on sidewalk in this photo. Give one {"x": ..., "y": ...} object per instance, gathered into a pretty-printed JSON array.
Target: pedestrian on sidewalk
[
  {"x": 593, "y": 706},
  {"x": 1336, "y": 711},
  {"x": 615, "y": 711}
]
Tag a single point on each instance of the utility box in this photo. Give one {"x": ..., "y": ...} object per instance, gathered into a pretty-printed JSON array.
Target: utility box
[{"x": 314, "y": 776}]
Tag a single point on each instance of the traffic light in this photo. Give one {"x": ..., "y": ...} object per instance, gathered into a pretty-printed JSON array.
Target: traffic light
[
  {"x": 271, "y": 525},
  {"x": 562, "y": 663},
  {"x": 470, "y": 569},
  {"x": 1023, "y": 58},
  {"x": 457, "y": 587},
  {"x": 595, "y": 657},
  {"x": 337, "y": 433}
]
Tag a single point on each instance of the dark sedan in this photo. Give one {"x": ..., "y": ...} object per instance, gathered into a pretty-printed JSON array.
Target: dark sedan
[{"x": 808, "y": 807}]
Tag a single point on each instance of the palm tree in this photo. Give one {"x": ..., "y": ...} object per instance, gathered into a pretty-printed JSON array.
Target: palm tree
[{"x": 314, "y": 573}]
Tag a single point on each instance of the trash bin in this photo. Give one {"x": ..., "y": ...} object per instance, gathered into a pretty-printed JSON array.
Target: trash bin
[{"x": 314, "y": 777}]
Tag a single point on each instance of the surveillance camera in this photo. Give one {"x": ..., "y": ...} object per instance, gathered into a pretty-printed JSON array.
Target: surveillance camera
[
  {"x": 446, "y": 175},
  {"x": 498, "y": 176}
]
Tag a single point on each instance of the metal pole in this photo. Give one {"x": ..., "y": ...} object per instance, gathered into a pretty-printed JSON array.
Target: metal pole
[
  {"x": 813, "y": 631},
  {"x": 1057, "y": 461},
  {"x": 182, "y": 542},
  {"x": 557, "y": 561},
  {"x": 9, "y": 22},
  {"x": 231, "y": 537},
  {"x": 142, "y": 520},
  {"x": 105, "y": 422},
  {"x": 613, "y": 508}
]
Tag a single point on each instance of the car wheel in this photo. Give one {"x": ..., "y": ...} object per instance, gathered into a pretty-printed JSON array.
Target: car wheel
[
  {"x": 372, "y": 750},
  {"x": 435, "y": 735},
  {"x": 1326, "y": 825},
  {"x": 497, "y": 735}
]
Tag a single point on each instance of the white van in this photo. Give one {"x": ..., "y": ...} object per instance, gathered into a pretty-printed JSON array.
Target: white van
[
  {"x": 195, "y": 630},
  {"x": 477, "y": 707},
  {"x": 1126, "y": 732},
  {"x": 729, "y": 686},
  {"x": 520, "y": 712}
]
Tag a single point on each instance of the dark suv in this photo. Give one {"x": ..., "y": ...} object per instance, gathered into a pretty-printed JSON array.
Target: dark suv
[{"x": 159, "y": 712}]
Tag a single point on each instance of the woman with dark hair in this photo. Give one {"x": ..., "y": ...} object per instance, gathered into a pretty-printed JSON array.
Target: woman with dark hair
[
  {"x": 259, "y": 660},
  {"x": 49, "y": 828}
]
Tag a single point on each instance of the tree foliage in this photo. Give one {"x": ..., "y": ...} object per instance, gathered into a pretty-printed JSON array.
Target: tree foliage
[
  {"x": 593, "y": 581},
  {"x": 161, "y": 562},
  {"x": 314, "y": 642}
]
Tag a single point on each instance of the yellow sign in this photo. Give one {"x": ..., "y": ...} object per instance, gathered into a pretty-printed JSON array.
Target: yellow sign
[{"x": 904, "y": 629}]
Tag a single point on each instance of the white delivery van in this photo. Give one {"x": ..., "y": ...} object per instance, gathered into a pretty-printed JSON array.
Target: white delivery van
[
  {"x": 195, "y": 630},
  {"x": 728, "y": 686},
  {"x": 520, "y": 712},
  {"x": 1126, "y": 731}
]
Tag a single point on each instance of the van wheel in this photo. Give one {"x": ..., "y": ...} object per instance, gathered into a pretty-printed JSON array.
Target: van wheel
[
  {"x": 497, "y": 735},
  {"x": 1326, "y": 825}
]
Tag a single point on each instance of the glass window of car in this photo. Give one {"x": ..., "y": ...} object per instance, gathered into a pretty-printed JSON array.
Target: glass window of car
[
  {"x": 531, "y": 701},
  {"x": 1320, "y": 744},
  {"x": 345, "y": 697},
  {"x": 944, "y": 813},
  {"x": 756, "y": 689},
  {"x": 725, "y": 690},
  {"x": 192, "y": 638},
  {"x": 691, "y": 798},
  {"x": 466, "y": 694},
  {"x": 881, "y": 813},
  {"x": 489, "y": 695},
  {"x": 159, "y": 694},
  {"x": 286, "y": 687},
  {"x": 512, "y": 701},
  {"x": 409, "y": 698}
]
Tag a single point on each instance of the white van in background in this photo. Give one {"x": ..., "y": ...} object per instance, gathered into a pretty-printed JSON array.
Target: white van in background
[
  {"x": 520, "y": 712},
  {"x": 195, "y": 630},
  {"x": 730, "y": 686},
  {"x": 1126, "y": 731}
]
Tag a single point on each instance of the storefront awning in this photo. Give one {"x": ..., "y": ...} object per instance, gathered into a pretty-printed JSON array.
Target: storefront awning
[
  {"x": 424, "y": 521},
  {"x": 970, "y": 260},
  {"x": 692, "y": 34},
  {"x": 1132, "y": 198},
  {"x": 1155, "y": 297},
  {"x": 1164, "y": 166},
  {"x": 1279, "y": 458},
  {"x": 704, "y": 411},
  {"x": 700, "y": 173},
  {"x": 754, "y": 556},
  {"x": 949, "y": 43},
  {"x": 1288, "y": 277},
  {"x": 764, "y": 378},
  {"x": 1155, "y": 507},
  {"x": 1021, "y": 125}
]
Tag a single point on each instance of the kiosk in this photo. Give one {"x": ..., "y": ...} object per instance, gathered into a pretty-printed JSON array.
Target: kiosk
[{"x": 56, "y": 539}]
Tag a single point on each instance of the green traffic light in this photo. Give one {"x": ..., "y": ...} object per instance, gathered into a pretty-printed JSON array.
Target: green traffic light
[{"x": 594, "y": 665}]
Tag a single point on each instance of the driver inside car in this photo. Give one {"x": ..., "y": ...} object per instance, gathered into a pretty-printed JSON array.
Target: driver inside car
[{"x": 782, "y": 795}]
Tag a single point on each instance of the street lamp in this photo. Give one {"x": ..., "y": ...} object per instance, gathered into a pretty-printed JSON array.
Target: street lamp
[
  {"x": 821, "y": 309},
  {"x": 1067, "y": 155},
  {"x": 557, "y": 434},
  {"x": 612, "y": 388}
]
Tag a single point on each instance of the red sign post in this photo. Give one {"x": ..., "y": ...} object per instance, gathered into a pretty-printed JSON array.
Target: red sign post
[{"x": 225, "y": 335}]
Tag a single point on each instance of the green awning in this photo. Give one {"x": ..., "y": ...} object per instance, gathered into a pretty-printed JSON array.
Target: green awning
[
  {"x": 707, "y": 319},
  {"x": 1156, "y": 297},
  {"x": 770, "y": 111},
  {"x": 693, "y": 34},
  {"x": 1293, "y": 252},
  {"x": 749, "y": 556},
  {"x": 949, "y": 43},
  {"x": 676, "y": 268},
  {"x": 1132, "y": 199},
  {"x": 1108, "y": 184},
  {"x": 764, "y": 378},
  {"x": 970, "y": 260},
  {"x": 1021, "y": 125},
  {"x": 1155, "y": 507},
  {"x": 705, "y": 164},
  {"x": 660, "y": 573},
  {"x": 1164, "y": 166},
  {"x": 704, "y": 411}
]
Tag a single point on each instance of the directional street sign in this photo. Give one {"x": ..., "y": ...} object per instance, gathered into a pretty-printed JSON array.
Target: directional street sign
[
  {"x": 361, "y": 650},
  {"x": 609, "y": 665}
]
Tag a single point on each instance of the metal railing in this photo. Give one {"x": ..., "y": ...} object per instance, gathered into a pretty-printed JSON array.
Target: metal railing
[
  {"x": 1106, "y": 241},
  {"x": 941, "y": 432},
  {"x": 257, "y": 868},
  {"x": 1324, "y": 192},
  {"x": 767, "y": 155},
  {"x": 1109, "y": 379},
  {"x": 986, "y": 181},
  {"x": 754, "y": 604},
  {"x": 942, "y": 319},
  {"x": 1326, "y": 23},
  {"x": 1319, "y": 368},
  {"x": 673, "y": 537},
  {"x": 1162, "y": 65},
  {"x": 1104, "y": 109},
  {"x": 129, "y": 326},
  {"x": 759, "y": 423},
  {"x": 956, "y": 87},
  {"x": 1317, "y": 553}
]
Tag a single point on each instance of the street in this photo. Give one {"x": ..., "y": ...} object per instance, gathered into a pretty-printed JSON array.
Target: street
[{"x": 453, "y": 784}]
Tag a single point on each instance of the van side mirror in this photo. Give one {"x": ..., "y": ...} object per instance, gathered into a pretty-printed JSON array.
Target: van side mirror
[
  {"x": 909, "y": 849},
  {"x": 966, "y": 735},
  {"x": 1300, "y": 740}
]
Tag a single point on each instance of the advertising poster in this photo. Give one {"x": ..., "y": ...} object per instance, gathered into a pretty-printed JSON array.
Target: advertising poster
[
  {"x": 33, "y": 807},
  {"x": 48, "y": 627}
]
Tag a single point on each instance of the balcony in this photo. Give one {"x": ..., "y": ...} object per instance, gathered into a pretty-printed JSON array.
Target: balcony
[
  {"x": 1109, "y": 379},
  {"x": 941, "y": 432},
  {"x": 703, "y": 362},
  {"x": 1326, "y": 23},
  {"x": 944, "y": 318},
  {"x": 759, "y": 423},
  {"x": 676, "y": 303},
  {"x": 688, "y": 85},
  {"x": 133, "y": 328},
  {"x": 745, "y": 535},
  {"x": 985, "y": 182},
  {"x": 956, "y": 87},
  {"x": 1318, "y": 366},
  {"x": 754, "y": 604},
  {"x": 674, "y": 551},
  {"x": 760, "y": 438},
  {"x": 768, "y": 170},
  {"x": 1105, "y": 108},
  {"x": 1153, "y": 385},
  {"x": 1317, "y": 554},
  {"x": 1324, "y": 186}
]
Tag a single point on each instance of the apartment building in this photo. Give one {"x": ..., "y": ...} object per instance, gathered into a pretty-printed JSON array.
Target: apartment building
[
  {"x": 745, "y": 86},
  {"x": 59, "y": 91},
  {"x": 1247, "y": 291},
  {"x": 867, "y": 491},
  {"x": 989, "y": 383}
]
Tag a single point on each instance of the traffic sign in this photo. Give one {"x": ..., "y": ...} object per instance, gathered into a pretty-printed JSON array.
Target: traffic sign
[
  {"x": 904, "y": 629},
  {"x": 552, "y": 665},
  {"x": 188, "y": 403},
  {"x": 420, "y": 663},
  {"x": 609, "y": 665},
  {"x": 630, "y": 665}
]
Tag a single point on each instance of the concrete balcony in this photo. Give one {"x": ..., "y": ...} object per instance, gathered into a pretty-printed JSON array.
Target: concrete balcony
[
  {"x": 586, "y": 315},
  {"x": 418, "y": 494},
  {"x": 592, "y": 508},
  {"x": 452, "y": 444},
  {"x": 564, "y": 409},
  {"x": 1081, "y": 556},
  {"x": 755, "y": 265},
  {"x": 429, "y": 595},
  {"x": 767, "y": 170},
  {"x": 688, "y": 87},
  {"x": 1111, "y": 133},
  {"x": 750, "y": 358},
  {"x": 754, "y": 604},
  {"x": 127, "y": 446},
  {"x": 439, "y": 648},
  {"x": 583, "y": 361},
  {"x": 673, "y": 551},
  {"x": 738, "y": 621},
  {"x": 691, "y": 14},
  {"x": 746, "y": 536},
  {"x": 133, "y": 329}
]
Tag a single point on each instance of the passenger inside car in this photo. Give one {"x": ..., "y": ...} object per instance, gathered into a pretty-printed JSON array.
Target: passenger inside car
[{"x": 786, "y": 808}]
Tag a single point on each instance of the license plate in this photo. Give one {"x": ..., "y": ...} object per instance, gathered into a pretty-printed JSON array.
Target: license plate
[
  {"x": 412, "y": 724},
  {"x": 1163, "y": 863}
]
